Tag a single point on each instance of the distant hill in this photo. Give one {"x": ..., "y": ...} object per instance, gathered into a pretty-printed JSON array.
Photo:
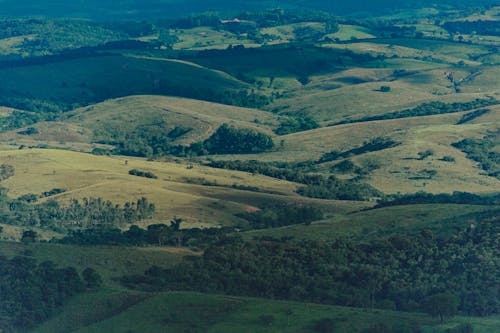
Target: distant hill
[
  {"x": 127, "y": 9},
  {"x": 78, "y": 82}
]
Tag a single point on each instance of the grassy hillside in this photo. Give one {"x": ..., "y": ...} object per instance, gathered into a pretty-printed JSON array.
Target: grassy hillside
[
  {"x": 193, "y": 312},
  {"x": 110, "y": 261},
  {"x": 202, "y": 196},
  {"x": 441, "y": 219},
  {"x": 399, "y": 169},
  {"x": 197, "y": 120}
]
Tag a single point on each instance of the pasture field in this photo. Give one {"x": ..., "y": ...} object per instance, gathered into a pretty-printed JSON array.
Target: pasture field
[
  {"x": 351, "y": 32},
  {"x": 194, "y": 312},
  {"x": 441, "y": 219},
  {"x": 111, "y": 262}
]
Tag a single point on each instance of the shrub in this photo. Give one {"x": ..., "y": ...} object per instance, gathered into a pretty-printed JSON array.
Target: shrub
[{"x": 139, "y": 173}]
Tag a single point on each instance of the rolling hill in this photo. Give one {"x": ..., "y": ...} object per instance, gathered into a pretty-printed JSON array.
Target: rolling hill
[
  {"x": 202, "y": 196},
  {"x": 195, "y": 120},
  {"x": 78, "y": 82}
]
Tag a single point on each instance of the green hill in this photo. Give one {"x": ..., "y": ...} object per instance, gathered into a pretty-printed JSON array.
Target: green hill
[
  {"x": 77, "y": 82},
  {"x": 194, "y": 312}
]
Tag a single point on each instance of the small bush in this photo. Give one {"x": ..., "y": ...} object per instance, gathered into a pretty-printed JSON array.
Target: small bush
[
  {"x": 450, "y": 159},
  {"x": 139, "y": 173},
  {"x": 325, "y": 325}
]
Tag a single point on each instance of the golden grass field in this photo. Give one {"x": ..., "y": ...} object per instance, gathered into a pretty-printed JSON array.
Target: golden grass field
[
  {"x": 176, "y": 192},
  {"x": 400, "y": 164}
]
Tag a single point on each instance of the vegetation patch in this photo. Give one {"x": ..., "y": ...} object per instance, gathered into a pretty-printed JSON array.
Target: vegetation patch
[
  {"x": 32, "y": 292},
  {"x": 427, "y": 109},
  {"x": 429, "y": 198},
  {"x": 468, "y": 117},
  {"x": 483, "y": 152},
  {"x": 282, "y": 215},
  {"x": 145, "y": 174},
  {"x": 377, "y": 144}
]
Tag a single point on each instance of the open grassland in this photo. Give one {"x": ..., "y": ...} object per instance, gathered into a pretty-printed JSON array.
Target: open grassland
[
  {"x": 441, "y": 219},
  {"x": 439, "y": 47},
  {"x": 354, "y": 93},
  {"x": 351, "y": 32},
  {"x": 287, "y": 33},
  {"x": 194, "y": 312},
  {"x": 399, "y": 168},
  {"x": 13, "y": 45},
  {"x": 392, "y": 50},
  {"x": 90, "y": 80},
  {"x": 202, "y": 196}
]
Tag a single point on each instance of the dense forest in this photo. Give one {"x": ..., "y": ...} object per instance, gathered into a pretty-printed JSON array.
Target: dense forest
[
  {"x": 32, "y": 292},
  {"x": 402, "y": 272}
]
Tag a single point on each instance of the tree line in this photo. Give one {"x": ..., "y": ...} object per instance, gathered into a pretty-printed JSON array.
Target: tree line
[
  {"x": 85, "y": 213},
  {"x": 317, "y": 186},
  {"x": 427, "y": 109}
]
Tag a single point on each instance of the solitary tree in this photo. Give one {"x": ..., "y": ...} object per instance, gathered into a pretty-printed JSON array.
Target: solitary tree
[
  {"x": 92, "y": 278},
  {"x": 29, "y": 236}
]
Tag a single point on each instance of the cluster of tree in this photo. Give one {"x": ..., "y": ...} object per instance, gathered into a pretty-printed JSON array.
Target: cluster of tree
[
  {"x": 30, "y": 292},
  {"x": 293, "y": 124},
  {"x": 53, "y": 36},
  {"x": 386, "y": 28},
  {"x": 153, "y": 141},
  {"x": 275, "y": 216},
  {"x": 483, "y": 151},
  {"x": 479, "y": 27},
  {"x": 140, "y": 173},
  {"x": 468, "y": 117},
  {"x": 88, "y": 212},
  {"x": 155, "y": 234},
  {"x": 376, "y": 144},
  {"x": 339, "y": 189},
  {"x": 18, "y": 119},
  {"x": 232, "y": 140},
  {"x": 427, "y": 109},
  {"x": 346, "y": 166},
  {"x": 401, "y": 273},
  {"x": 150, "y": 141},
  {"x": 6, "y": 171},
  {"x": 318, "y": 186},
  {"x": 445, "y": 198},
  {"x": 280, "y": 170}
]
